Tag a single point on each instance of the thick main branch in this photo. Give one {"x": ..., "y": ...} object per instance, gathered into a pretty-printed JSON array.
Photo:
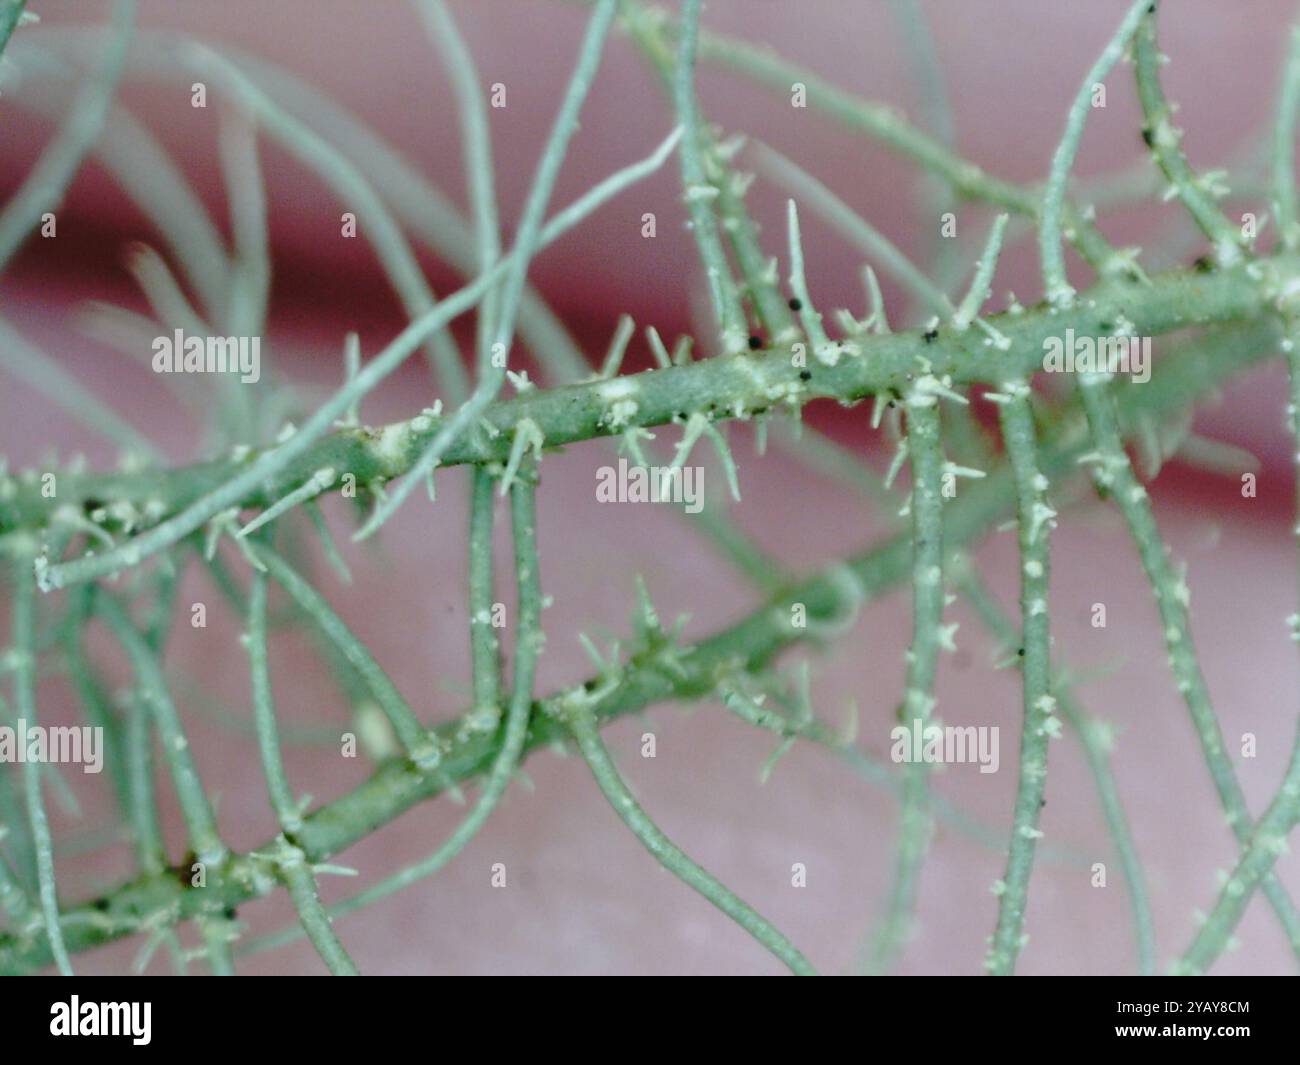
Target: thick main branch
[{"x": 740, "y": 386}]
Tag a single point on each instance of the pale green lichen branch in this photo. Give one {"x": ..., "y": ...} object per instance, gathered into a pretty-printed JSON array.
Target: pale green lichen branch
[
  {"x": 1198, "y": 193},
  {"x": 356, "y": 193},
  {"x": 699, "y": 194},
  {"x": 1284, "y": 191},
  {"x": 210, "y": 852},
  {"x": 11, "y": 16},
  {"x": 1057, "y": 286},
  {"x": 528, "y": 646},
  {"x": 914, "y": 824},
  {"x": 1267, "y": 843},
  {"x": 1096, "y": 738},
  {"x": 419, "y": 742},
  {"x": 289, "y": 858},
  {"x": 1035, "y": 520},
  {"x": 45, "y": 185},
  {"x": 1113, "y": 474},
  {"x": 24, "y": 682},
  {"x": 969, "y": 308},
  {"x": 582, "y": 722}
]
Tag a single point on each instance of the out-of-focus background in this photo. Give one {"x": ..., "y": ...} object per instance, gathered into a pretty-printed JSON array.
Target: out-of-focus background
[{"x": 583, "y": 897}]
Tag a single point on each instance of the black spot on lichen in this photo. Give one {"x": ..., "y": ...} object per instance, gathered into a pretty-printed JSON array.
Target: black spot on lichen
[
  {"x": 795, "y": 304},
  {"x": 931, "y": 336},
  {"x": 805, "y": 375},
  {"x": 755, "y": 342},
  {"x": 184, "y": 872},
  {"x": 1203, "y": 264},
  {"x": 1147, "y": 137}
]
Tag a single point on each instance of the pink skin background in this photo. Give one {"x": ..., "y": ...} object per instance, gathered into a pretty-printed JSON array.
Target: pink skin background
[{"x": 582, "y": 895}]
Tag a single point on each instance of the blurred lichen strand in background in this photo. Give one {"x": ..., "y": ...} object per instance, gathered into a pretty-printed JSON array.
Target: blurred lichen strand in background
[{"x": 95, "y": 552}]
